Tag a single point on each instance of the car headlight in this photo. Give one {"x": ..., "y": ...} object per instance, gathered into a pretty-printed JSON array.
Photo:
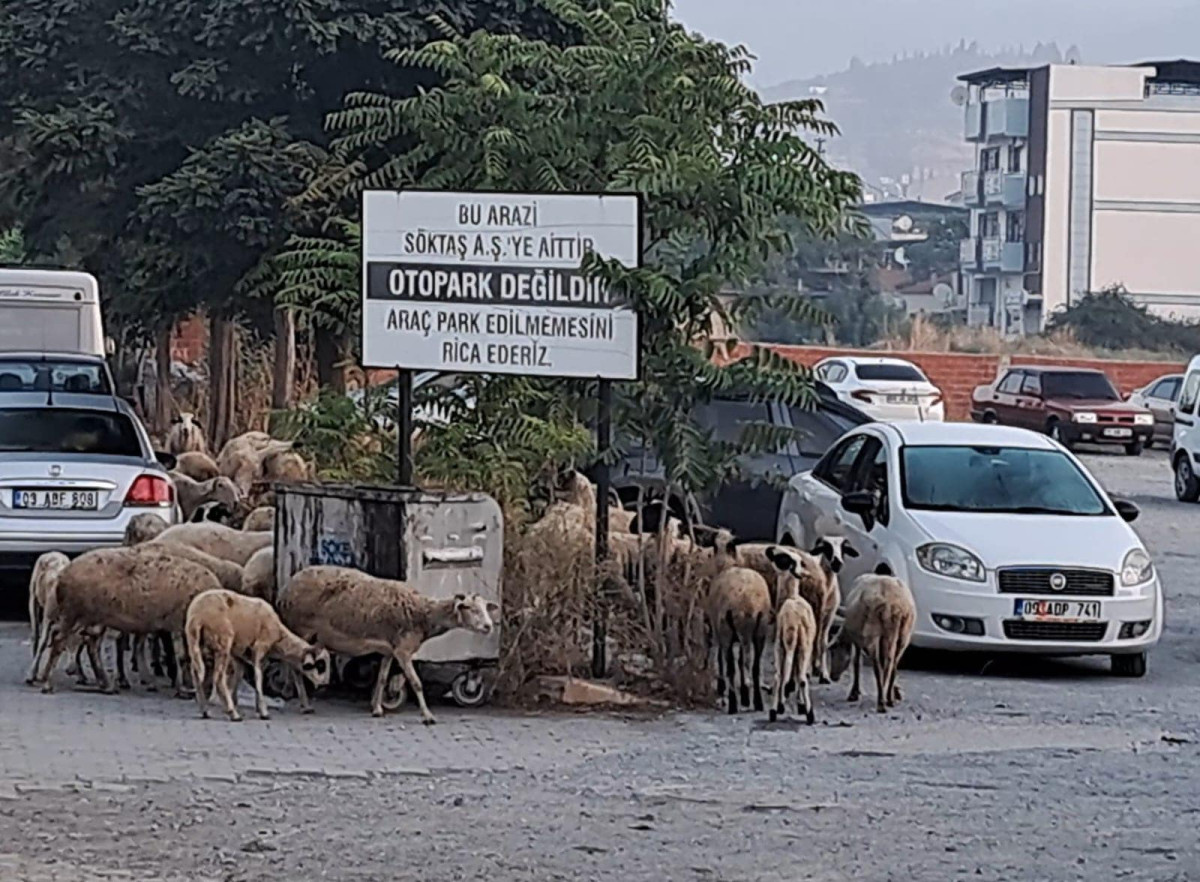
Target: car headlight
[
  {"x": 1143, "y": 419},
  {"x": 1137, "y": 568},
  {"x": 951, "y": 561},
  {"x": 1084, "y": 417}
]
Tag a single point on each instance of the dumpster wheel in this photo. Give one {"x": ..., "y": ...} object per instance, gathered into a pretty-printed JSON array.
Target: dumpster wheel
[
  {"x": 471, "y": 688},
  {"x": 395, "y": 693}
]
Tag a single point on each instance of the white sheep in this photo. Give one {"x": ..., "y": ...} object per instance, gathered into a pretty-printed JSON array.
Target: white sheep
[
  {"x": 237, "y": 546},
  {"x": 879, "y": 620},
  {"x": 739, "y": 612},
  {"x": 831, "y": 551},
  {"x": 284, "y": 466},
  {"x": 355, "y": 614},
  {"x": 43, "y": 600},
  {"x": 258, "y": 577},
  {"x": 262, "y": 518},
  {"x": 242, "y": 457},
  {"x": 192, "y": 494},
  {"x": 795, "y": 630},
  {"x": 233, "y": 627},
  {"x": 139, "y": 590},
  {"x": 144, "y": 527},
  {"x": 186, "y": 436},
  {"x": 197, "y": 466}
]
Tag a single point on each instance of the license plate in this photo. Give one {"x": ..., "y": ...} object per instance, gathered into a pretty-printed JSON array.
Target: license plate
[
  {"x": 1118, "y": 433},
  {"x": 902, "y": 399},
  {"x": 1057, "y": 610},
  {"x": 57, "y": 500}
]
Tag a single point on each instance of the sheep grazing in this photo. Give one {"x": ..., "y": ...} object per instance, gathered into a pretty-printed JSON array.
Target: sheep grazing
[
  {"x": 879, "y": 620},
  {"x": 43, "y": 600},
  {"x": 236, "y": 546},
  {"x": 258, "y": 577},
  {"x": 228, "y": 573},
  {"x": 186, "y": 436},
  {"x": 262, "y": 518},
  {"x": 795, "y": 630},
  {"x": 144, "y": 527},
  {"x": 234, "y": 627},
  {"x": 138, "y": 590},
  {"x": 739, "y": 612},
  {"x": 193, "y": 494},
  {"x": 197, "y": 466},
  {"x": 356, "y": 614}
]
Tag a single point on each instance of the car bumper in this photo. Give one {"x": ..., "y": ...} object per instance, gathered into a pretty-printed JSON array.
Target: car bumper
[
  {"x": 21, "y": 543},
  {"x": 889, "y": 412},
  {"x": 943, "y": 597},
  {"x": 1081, "y": 433}
]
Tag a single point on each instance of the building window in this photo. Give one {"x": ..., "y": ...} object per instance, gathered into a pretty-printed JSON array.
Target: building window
[
  {"x": 1014, "y": 226},
  {"x": 989, "y": 159},
  {"x": 989, "y": 225},
  {"x": 1016, "y": 158}
]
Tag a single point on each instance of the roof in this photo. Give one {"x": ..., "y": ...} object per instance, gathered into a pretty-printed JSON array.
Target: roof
[
  {"x": 968, "y": 434},
  {"x": 38, "y": 355},
  {"x": 894, "y": 208},
  {"x": 1180, "y": 70},
  {"x": 1054, "y": 369},
  {"x": 996, "y": 76}
]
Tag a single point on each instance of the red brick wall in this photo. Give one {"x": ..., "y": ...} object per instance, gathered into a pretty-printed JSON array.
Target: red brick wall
[
  {"x": 189, "y": 341},
  {"x": 957, "y": 374}
]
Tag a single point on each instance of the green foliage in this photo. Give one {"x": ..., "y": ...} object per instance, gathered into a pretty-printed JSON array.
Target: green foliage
[
  {"x": 12, "y": 247},
  {"x": 349, "y": 441},
  {"x": 1109, "y": 319},
  {"x": 634, "y": 103},
  {"x": 938, "y": 254}
]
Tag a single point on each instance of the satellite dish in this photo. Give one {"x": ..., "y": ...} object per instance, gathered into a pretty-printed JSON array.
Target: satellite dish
[
  {"x": 903, "y": 224},
  {"x": 943, "y": 293},
  {"x": 958, "y": 96}
]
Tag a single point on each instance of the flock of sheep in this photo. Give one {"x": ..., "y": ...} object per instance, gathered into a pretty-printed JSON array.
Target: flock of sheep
[{"x": 205, "y": 591}]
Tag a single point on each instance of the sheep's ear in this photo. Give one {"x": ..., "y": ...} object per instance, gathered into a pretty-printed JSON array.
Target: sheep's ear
[
  {"x": 822, "y": 549},
  {"x": 849, "y": 550},
  {"x": 176, "y": 420},
  {"x": 785, "y": 563},
  {"x": 493, "y": 608}
]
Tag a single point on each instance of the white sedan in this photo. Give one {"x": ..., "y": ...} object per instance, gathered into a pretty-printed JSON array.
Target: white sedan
[
  {"x": 883, "y": 388},
  {"x": 1006, "y": 540}
]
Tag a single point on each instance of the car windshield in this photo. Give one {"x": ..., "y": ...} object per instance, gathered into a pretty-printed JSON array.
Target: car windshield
[
  {"x": 35, "y": 375},
  {"x": 1084, "y": 384},
  {"x": 1012, "y": 480},
  {"x": 896, "y": 372},
  {"x": 63, "y": 431}
]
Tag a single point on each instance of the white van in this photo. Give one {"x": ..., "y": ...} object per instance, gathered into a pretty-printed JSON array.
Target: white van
[
  {"x": 50, "y": 311},
  {"x": 1185, "y": 443}
]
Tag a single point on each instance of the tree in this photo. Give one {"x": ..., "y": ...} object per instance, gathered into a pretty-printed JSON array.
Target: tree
[
  {"x": 634, "y": 103},
  {"x": 12, "y": 246}
]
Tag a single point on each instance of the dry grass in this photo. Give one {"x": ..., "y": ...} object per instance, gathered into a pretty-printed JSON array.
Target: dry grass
[{"x": 656, "y": 643}]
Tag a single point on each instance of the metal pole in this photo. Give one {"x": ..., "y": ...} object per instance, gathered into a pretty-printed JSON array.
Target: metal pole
[
  {"x": 404, "y": 427},
  {"x": 603, "y": 442}
]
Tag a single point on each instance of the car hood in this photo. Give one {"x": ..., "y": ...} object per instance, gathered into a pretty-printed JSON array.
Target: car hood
[
  {"x": 1094, "y": 404},
  {"x": 1005, "y": 540}
]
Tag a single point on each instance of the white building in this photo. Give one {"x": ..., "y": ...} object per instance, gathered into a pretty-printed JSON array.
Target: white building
[{"x": 1085, "y": 177}]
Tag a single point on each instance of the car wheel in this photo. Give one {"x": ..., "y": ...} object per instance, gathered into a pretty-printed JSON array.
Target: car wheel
[
  {"x": 1054, "y": 430},
  {"x": 990, "y": 418},
  {"x": 1187, "y": 488},
  {"x": 1129, "y": 665},
  {"x": 1134, "y": 449}
]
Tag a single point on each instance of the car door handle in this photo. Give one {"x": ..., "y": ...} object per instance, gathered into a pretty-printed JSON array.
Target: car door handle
[{"x": 1184, "y": 422}]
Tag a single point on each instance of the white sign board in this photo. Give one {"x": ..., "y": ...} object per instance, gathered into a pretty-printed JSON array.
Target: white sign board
[{"x": 491, "y": 283}]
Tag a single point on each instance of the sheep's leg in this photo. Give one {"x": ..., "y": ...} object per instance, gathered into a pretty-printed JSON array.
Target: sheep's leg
[
  {"x": 855, "y": 691},
  {"x": 302, "y": 692},
  {"x": 759, "y": 639},
  {"x": 385, "y": 669},
  {"x": 806, "y": 696},
  {"x": 743, "y": 664},
  {"x": 783, "y": 676},
  {"x": 75, "y": 669},
  {"x": 58, "y": 642},
  {"x": 221, "y": 681},
  {"x": 140, "y": 649},
  {"x": 164, "y": 660},
  {"x": 138, "y": 641},
  {"x": 183, "y": 670},
  {"x": 712, "y": 644},
  {"x": 879, "y": 664},
  {"x": 122, "y": 647},
  {"x": 40, "y": 645},
  {"x": 260, "y": 699},
  {"x": 821, "y": 647},
  {"x": 731, "y": 701},
  {"x": 414, "y": 682},
  {"x": 202, "y": 698}
]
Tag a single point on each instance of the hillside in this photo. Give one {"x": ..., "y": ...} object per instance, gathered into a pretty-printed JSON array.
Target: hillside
[{"x": 896, "y": 117}]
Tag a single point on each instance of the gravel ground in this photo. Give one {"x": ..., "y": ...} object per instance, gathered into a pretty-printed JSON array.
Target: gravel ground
[{"x": 1009, "y": 769}]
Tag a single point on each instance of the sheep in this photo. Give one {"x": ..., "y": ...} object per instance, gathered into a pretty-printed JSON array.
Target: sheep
[
  {"x": 284, "y": 466},
  {"x": 795, "y": 630},
  {"x": 144, "y": 527},
  {"x": 242, "y": 457},
  {"x": 262, "y": 518},
  {"x": 197, "y": 466},
  {"x": 832, "y": 552},
  {"x": 186, "y": 436},
  {"x": 43, "y": 600},
  {"x": 230, "y": 625},
  {"x": 139, "y": 590},
  {"x": 879, "y": 620},
  {"x": 236, "y": 546},
  {"x": 739, "y": 611},
  {"x": 356, "y": 614},
  {"x": 258, "y": 577},
  {"x": 192, "y": 494},
  {"x": 212, "y": 513}
]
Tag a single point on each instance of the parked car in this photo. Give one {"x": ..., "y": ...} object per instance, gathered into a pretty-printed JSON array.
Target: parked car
[
  {"x": 1185, "y": 443},
  {"x": 74, "y": 470},
  {"x": 1006, "y": 540},
  {"x": 748, "y": 505},
  {"x": 55, "y": 372},
  {"x": 1159, "y": 398},
  {"x": 883, "y": 388},
  {"x": 1071, "y": 405}
]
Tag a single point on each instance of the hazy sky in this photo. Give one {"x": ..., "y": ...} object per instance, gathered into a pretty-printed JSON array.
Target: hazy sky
[{"x": 803, "y": 38}]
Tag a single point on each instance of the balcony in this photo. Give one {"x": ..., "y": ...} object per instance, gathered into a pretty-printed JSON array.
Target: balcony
[
  {"x": 1004, "y": 189},
  {"x": 1004, "y": 117},
  {"x": 968, "y": 255},
  {"x": 997, "y": 255},
  {"x": 971, "y": 192}
]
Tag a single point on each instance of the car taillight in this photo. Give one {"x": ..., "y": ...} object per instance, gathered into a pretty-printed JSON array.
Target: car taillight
[
  {"x": 935, "y": 400},
  {"x": 150, "y": 490}
]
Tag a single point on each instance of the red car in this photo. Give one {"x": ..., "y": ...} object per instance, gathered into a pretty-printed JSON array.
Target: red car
[{"x": 1071, "y": 405}]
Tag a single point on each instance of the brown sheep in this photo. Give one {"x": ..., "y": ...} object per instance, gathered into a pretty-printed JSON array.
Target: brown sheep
[
  {"x": 258, "y": 577},
  {"x": 197, "y": 466},
  {"x": 232, "y": 628},
  {"x": 144, "y": 527},
  {"x": 262, "y": 518},
  {"x": 285, "y": 466},
  {"x": 186, "y": 436},
  {"x": 43, "y": 602},
  {"x": 880, "y": 615},
  {"x": 237, "y": 546},
  {"x": 740, "y": 613},
  {"x": 242, "y": 457},
  {"x": 192, "y": 494},
  {"x": 355, "y": 614}
]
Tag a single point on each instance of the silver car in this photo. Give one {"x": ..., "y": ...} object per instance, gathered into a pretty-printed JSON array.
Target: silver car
[
  {"x": 74, "y": 470},
  {"x": 1159, "y": 397}
]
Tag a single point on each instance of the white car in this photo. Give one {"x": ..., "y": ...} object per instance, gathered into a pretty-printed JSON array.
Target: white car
[
  {"x": 883, "y": 388},
  {"x": 1007, "y": 542}
]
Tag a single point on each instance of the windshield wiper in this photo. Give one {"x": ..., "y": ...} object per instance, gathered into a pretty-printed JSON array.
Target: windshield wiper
[{"x": 1040, "y": 509}]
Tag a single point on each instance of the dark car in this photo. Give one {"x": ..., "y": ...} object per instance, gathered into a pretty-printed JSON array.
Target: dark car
[
  {"x": 749, "y": 506},
  {"x": 1071, "y": 405}
]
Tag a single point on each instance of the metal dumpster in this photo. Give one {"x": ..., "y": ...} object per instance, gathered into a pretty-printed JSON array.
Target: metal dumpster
[{"x": 442, "y": 544}]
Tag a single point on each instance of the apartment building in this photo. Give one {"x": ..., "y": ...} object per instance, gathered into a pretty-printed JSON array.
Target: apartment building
[{"x": 1085, "y": 177}]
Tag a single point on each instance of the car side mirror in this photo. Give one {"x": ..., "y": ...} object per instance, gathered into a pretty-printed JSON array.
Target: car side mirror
[
  {"x": 1127, "y": 510},
  {"x": 166, "y": 460},
  {"x": 861, "y": 502}
]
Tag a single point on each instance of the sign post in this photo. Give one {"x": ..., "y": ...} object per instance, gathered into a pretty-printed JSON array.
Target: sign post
[{"x": 491, "y": 283}]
